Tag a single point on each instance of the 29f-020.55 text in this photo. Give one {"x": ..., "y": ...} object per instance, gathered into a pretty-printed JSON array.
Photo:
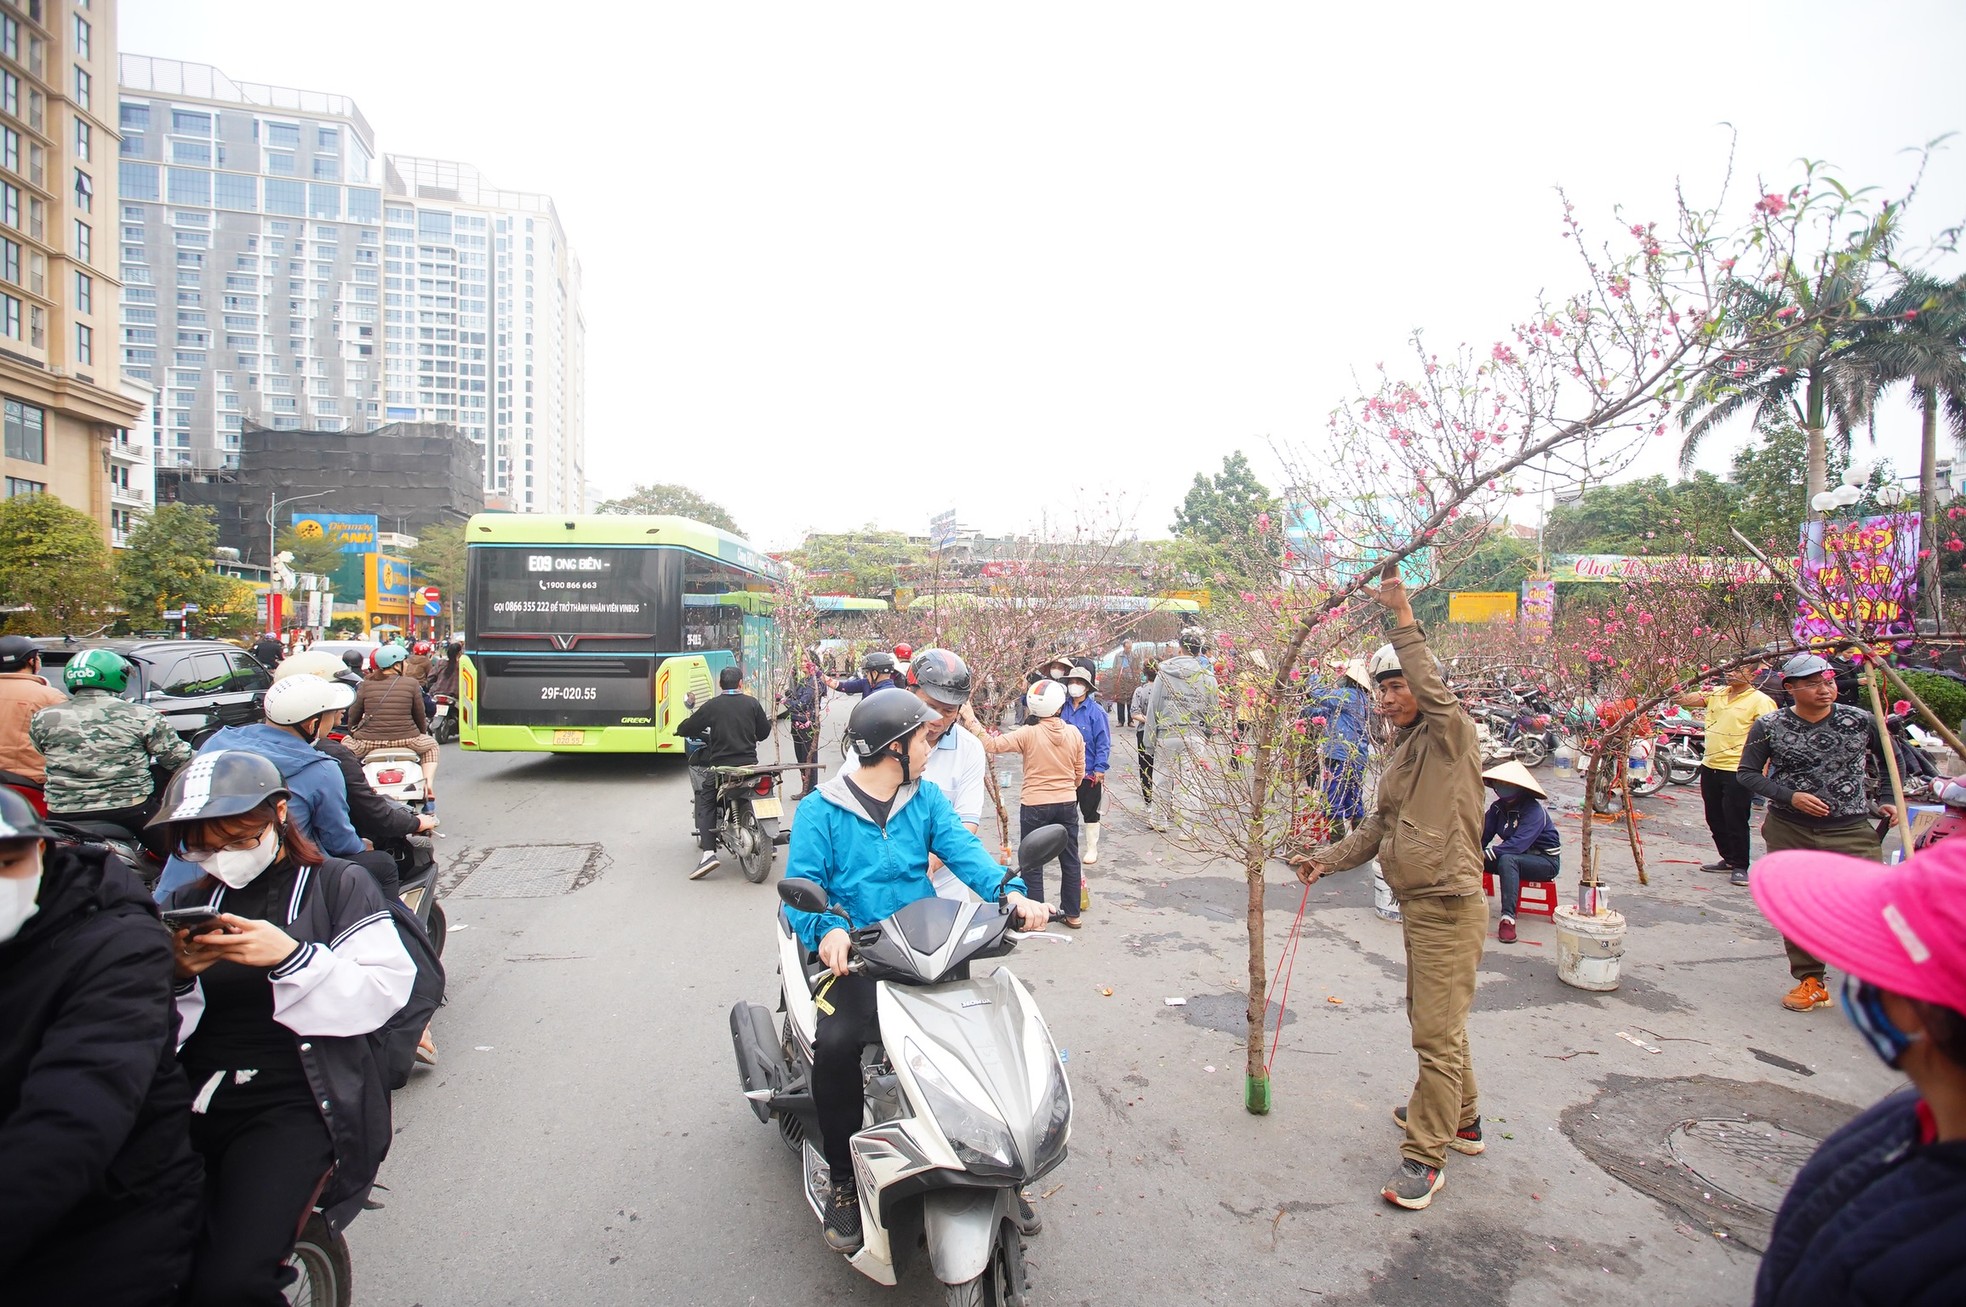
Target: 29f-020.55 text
[{"x": 567, "y": 693}]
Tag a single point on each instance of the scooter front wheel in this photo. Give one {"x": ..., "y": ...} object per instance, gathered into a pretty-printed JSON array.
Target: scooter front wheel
[{"x": 1002, "y": 1283}]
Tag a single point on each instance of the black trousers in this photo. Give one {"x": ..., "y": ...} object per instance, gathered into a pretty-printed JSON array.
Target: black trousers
[
  {"x": 706, "y": 784},
  {"x": 266, "y": 1150},
  {"x": 1090, "y": 797},
  {"x": 131, "y": 819},
  {"x": 1729, "y": 805},
  {"x": 1030, "y": 816},
  {"x": 805, "y": 748},
  {"x": 1122, "y": 711},
  {"x": 1146, "y": 766},
  {"x": 383, "y": 867},
  {"x": 853, "y": 1024}
]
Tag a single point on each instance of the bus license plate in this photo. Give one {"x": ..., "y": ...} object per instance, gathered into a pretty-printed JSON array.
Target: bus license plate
[
  {"x": 569, "y": 737},
  {"x": 767, "y": 807}
]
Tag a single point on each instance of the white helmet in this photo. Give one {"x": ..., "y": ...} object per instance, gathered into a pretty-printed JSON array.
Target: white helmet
[
  {"x": 1045, "y": 699},
  {"x": 295, "y": 699},
  {"x": 310, "y": 662},
  {"x": 1385, "y": 662}
]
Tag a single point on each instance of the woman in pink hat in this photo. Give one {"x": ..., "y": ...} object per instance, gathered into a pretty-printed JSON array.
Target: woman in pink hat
[{"x": 1879, "y": 1213}]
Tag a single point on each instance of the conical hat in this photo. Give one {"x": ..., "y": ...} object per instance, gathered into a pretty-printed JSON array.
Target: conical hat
[{"x": 1512, "y": 772}]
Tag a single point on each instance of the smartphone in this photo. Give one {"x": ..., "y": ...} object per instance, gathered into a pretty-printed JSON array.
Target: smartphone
[{"x": 199, "y": 920}]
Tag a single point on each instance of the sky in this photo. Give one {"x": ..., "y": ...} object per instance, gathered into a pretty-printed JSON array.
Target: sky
[{"x": 857, "y": 263}]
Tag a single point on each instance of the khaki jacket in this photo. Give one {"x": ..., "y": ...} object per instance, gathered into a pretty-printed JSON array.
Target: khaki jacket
[
  {"x": 22, "y": 694},
  {"x": 1054, "y": 759},
  {"x": 1426, "y": 828}
]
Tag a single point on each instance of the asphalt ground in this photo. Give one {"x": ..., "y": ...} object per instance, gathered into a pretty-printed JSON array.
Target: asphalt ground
[{"x": 583, "y": 1139}]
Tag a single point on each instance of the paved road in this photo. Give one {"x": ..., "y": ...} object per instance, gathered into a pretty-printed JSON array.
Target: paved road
[{"x": 583, "y": 1140}]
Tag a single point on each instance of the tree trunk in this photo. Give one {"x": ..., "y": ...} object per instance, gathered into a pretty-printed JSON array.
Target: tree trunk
[
  {"x": 1256, "y": 1077},
  {"x": 1812, "y": 427},
  {"x": 1928, "y": 509}
]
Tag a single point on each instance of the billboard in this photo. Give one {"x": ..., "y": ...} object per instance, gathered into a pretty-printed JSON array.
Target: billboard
[
  {"x": 1615, "y": 569},
  {"x": 1477, "y": 607},
  {"x": 386, "y": 584},
  {"x": 355, "y": 533},
  {"x": 1866, "y": 570},
  {"x": 1539, "y": 607}
]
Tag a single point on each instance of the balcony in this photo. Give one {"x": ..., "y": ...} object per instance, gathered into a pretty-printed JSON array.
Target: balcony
[{"x": 128, "y": 496}]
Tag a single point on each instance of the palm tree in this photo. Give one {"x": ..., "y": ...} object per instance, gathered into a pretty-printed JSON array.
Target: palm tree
[
  {"x": 1918, "y": 341},
  {"x": 1791, "y": 336}
]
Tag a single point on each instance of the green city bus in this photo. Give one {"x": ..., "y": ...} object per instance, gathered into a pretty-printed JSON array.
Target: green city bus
[{"x": 584, "y": 634}]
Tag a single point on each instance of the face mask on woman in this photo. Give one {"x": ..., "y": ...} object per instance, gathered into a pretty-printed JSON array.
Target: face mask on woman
[
  {"x": 1076, "y": 689},
  {"x": 17, "y": 903},
  {"x": 1863, "y": 1003},
  {"x": 238, "y": 867}
]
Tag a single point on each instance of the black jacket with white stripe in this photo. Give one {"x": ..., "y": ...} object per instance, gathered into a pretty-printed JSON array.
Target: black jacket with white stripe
[{"x": 348, "y": 976}]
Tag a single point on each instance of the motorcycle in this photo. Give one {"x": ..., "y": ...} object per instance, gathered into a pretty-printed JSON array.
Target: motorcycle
[
  {"x": 443, "y": 722},
  {"x": 121, "y": 841},
  {"x": 748, "y": 812},
  {"x": 1682, "y": 750},
  {"x": 323, "y": 1268},
  {"x": 33, "y": 791},
  {"x": 397, "y": 774},
  {"x": 416, "y": 870},
  {"x": 966, "y": 1095}
]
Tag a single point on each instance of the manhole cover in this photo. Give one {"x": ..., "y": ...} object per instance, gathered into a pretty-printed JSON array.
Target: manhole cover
[
  {"x": 531, "y": 871},
  {"x": 1754, "y": 1161}
]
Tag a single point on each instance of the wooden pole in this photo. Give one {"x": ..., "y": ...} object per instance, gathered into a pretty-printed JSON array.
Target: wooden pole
[{"x": 1890, "y": 756}]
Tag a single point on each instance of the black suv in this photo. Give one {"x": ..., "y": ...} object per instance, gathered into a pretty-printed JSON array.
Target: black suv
[{"x": 199, "y": 685}]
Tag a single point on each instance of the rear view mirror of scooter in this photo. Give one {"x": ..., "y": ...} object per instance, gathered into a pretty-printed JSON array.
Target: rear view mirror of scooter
[
  {"x": 806, "y": 896},
  {"x": 1036, "y": 849}
]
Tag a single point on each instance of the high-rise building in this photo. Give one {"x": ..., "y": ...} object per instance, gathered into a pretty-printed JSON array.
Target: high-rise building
[
  {"x": 482, "y": 327},
  {"x": 254, "y": 246},
  {"x": 251, "y": 254},
  {"x": 62, "y": 402}
]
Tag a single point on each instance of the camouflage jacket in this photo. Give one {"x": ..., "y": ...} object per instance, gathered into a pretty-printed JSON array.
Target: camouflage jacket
[{"x": 100, "y": 750}]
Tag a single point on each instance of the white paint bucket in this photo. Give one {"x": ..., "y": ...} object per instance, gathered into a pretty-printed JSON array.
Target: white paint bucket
[
  {"x": 1383, "y": 901},
  {"x": 1589, "y": 948}
]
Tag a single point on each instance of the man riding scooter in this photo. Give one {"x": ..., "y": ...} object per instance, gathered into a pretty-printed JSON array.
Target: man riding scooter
[
  {"x": 731, "y": 727},
  {"x": 108, "y": 758},
  {"x": 866, "y": 840}
]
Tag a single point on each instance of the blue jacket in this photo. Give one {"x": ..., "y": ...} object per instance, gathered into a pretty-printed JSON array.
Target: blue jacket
[
  {"x": 319, "y": 802},
  {"x": 863, "y": 686},
  {"x": 1524, "y": 827},
  {"x": 1089, "y": 719},
  {"x": 1343, "y": 707},
  {"x": 874, "y": 873},
  {"x": 1874, "y": 1217}
]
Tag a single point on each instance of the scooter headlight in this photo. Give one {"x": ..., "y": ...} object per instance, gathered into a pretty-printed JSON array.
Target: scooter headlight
[
  {"x": 1057, "y": 1121},
  {"x": 982, "y": 1141}
]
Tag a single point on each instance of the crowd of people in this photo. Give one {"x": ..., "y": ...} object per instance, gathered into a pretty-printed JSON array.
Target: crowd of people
[{"x": 179, "y": 1096}]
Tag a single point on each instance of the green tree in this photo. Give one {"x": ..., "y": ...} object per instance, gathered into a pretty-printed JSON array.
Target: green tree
[
  {"x": 1498, "y": 561},
  {"x": 311, "y": 553},
  {"x": 1644, "y": 516},
  {"x": 666, "y": 498},
  {"x": 870, "y": 561},
  {"x": 1920, "y": 344},
  {"x": 1224, "y": 506},
  {"x": 438, "y": 559},
  {"x": 168, "y": 563},
  {"x": 54, "y": 567}
]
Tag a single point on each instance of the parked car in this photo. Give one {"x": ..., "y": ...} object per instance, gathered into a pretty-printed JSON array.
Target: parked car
[
  {"x": 340, "y": 647},
  {"x": 199, "y": 685}
]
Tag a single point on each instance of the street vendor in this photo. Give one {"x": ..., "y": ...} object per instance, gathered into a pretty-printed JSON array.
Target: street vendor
[
  {"x": 1519, "y": 841},
  {"x": 1425, "y": 831}
]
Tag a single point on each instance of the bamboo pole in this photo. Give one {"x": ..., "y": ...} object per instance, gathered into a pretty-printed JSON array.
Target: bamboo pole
[{"x": 1890, "y": 756}]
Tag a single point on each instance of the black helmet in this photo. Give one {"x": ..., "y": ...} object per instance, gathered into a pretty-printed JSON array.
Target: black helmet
[
  {"x": 942, "y": 675},
  {"x": 354, "y": 659},
  {"x": 18, "y": 820},
  {"x": 222, "y": 784},
  {"x": 882, "y": 718},
  {"x": 16, "y": 652},
  {"x": 878, "y": 661}
]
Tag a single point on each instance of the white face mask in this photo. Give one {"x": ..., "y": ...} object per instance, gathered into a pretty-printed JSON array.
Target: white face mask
[
  {"x": 238, "y": 868},
  {"x": 17, "y": 895},
  {"x": 1076, "y": 689}
]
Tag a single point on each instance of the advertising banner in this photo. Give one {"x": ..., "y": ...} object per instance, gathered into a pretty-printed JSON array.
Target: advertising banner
[
  {"x": 1539, "y": 608},
  {"x": 1866, "y": 570},
  {"x": 354, "y": 533},
  {"x": 1615, "y": 569},
  {"x": 1476, "y": 607},
  {"x": 387, "y": 579}
]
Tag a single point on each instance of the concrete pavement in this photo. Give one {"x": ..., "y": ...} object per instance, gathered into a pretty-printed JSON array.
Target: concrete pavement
[{"x": 584, "y": 1141}]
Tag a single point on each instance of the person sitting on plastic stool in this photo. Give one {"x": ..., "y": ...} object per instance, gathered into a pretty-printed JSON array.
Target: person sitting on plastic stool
[{"x": 1518, "y": 839}]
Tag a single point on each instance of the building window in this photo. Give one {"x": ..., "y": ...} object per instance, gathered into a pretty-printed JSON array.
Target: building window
[
  {"x": 139, "y": 181},
  {"x": 10, "y": 261},
  {"x": 323, "y": 201},
  {"x": 327, "y": 168},
  {"x": 82, "y": 84},
  {"x": 9, "y": 149},
  {"x": 10, "y": 38},
  {"x": 82, "y": 235},
  {"x": 134, "y": 117},
  {"x": 283, "y": 136},
  {"x": 286, "y": 197},
  {"x": 194, "y": 152},
  {"x": 232, "y": 190},
  {"x": 188, "y": 186},
  {"x": 84, "y": 140},
  {"x": 24, "y": 424},
  {"x": 85, "y": 192},
  {"x": 17, "y": 486},
  {"x": 85, "y": 344},
  {"x": 10, "y": 204},
  {"x": 327, "y": 139},
  {"x": 10, "y": 93},
  {"x": 189, "y": 122},
  {"x": 85, "y": 293},
  {"x": 81, "y": 37}
]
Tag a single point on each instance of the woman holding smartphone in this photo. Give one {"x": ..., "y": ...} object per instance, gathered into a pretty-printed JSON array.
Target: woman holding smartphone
[{"x": 276, "y": 998}]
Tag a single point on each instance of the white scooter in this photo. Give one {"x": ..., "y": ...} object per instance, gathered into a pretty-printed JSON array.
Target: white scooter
[
  {"x": 397, "y": 775},
  {"x": 966, "y": 1096}
]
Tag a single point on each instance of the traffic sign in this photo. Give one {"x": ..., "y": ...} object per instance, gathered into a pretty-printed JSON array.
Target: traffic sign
[
  {"x": 433, "y": 607},
  {"x": 431, "y": 595}
]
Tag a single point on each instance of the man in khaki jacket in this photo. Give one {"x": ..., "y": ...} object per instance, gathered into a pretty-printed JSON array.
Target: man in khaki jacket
[
  {"x": 1426, "y": 832},
  {"x": 22, "y": 694}
]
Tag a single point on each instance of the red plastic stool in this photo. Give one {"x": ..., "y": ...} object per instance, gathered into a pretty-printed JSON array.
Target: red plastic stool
[{"x": 1538, "y": 898}]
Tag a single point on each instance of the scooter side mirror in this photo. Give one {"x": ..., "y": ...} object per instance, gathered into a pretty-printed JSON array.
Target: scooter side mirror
[
  {"x": 805, "y": 895},
  {"x": 1041, "y": 846}
]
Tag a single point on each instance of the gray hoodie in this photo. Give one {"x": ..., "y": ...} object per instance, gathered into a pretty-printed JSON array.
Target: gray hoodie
[{"x": 1184, "y": 701}]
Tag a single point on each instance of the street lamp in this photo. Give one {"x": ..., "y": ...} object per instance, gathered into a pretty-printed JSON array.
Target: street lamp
[
  {"x": 1891, "y": 495},
  {"x": 272, "y": 512}
]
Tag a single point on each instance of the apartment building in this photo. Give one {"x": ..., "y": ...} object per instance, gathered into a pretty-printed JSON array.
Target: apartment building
[
  {"x": 249, "y": 231},
  {"x": 482, "y": 327},
  {"x": 63, "y": 406}
]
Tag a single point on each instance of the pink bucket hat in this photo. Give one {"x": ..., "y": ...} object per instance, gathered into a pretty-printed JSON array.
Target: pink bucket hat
[{"x": 1902, "y": 928}]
